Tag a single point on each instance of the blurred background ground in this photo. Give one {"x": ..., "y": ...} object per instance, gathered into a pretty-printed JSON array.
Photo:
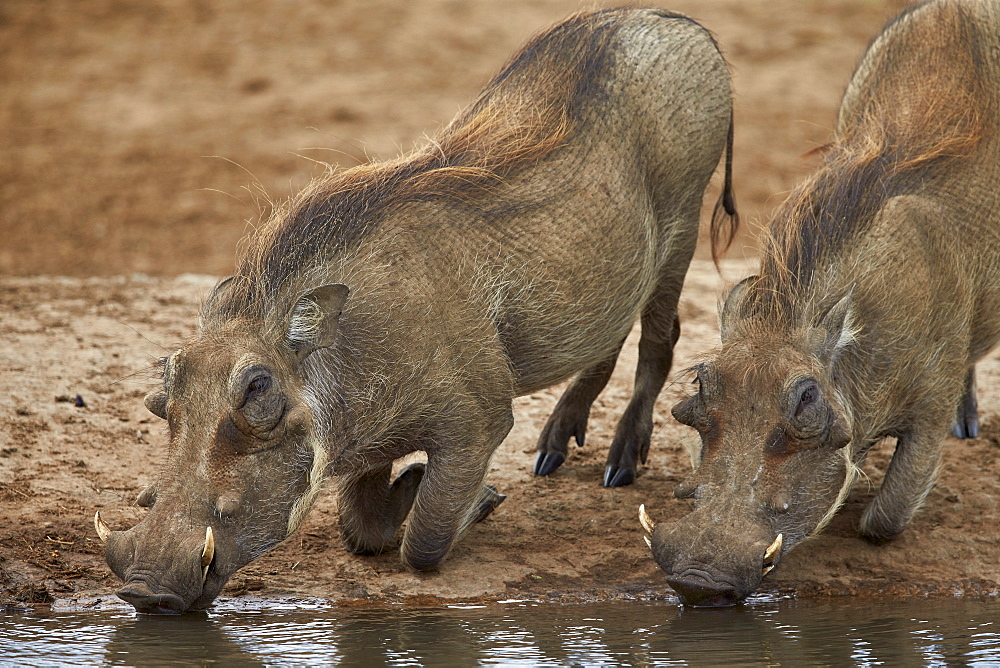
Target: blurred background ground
[{"x": 142, "y": 136}]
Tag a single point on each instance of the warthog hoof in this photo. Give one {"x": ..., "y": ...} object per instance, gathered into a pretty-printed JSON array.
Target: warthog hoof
[
  {"x": 616, "y": 477},
  {"x": 489, "y": 502},
  {"x": 548, "y": 462}
]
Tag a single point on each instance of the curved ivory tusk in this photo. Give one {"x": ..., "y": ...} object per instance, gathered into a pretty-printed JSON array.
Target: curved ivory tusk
[
  {"x": 208, "y": 553},
  {"x": 649, "y": 543},
  {"x": 103, "y": 530},
  {"x": 773, "y": 550},
  {"x": 645, "y": 520},
  {"x": 767, "y": 569}
]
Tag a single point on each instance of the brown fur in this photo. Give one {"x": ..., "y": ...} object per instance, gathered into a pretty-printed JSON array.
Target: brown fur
[
  {"x": 401, "y": 306},
  {"x": 930, "y": 104},
  {"x": 877, "y": 292}
]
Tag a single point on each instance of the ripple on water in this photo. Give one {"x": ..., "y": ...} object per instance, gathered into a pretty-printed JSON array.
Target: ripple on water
[{"x": 772, "y": 631}]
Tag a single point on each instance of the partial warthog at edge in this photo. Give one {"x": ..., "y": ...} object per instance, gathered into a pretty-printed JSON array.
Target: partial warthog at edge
[
  {"x": 401, "y": 306},
  {"x": 877, "y": 292}
]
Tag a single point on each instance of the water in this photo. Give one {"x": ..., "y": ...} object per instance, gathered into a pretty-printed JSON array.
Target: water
[{"x": 840, "y": 632}]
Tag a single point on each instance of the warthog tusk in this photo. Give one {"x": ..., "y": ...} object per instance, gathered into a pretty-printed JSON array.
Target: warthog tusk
[
  {"x": 770, "y": 554},
  {"x": 207, "y": 553},
  {"x": 773, "y": 550},
  {"x": 103, "y": 530},
  {"x": 649, "y": 543},
  {"x": 645, "y": 520}
]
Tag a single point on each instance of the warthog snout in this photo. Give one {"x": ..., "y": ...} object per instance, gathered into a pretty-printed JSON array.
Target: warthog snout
[
  {"x": 712, "y": 565},
  {"x": 164, "y": 578}
]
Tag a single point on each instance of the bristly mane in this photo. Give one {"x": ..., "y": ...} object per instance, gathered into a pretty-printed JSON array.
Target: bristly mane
[
  {"x": 508, "y": 127},
  {"x": 921, "y": 105}
]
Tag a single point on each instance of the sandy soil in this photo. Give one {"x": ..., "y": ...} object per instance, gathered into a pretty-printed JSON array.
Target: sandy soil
[{"x": 114, "y": 222}]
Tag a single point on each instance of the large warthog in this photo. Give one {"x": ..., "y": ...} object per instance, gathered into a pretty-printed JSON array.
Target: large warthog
[
  {"x": 877, "y": 292},
  {"x": 401, "y": 306}
]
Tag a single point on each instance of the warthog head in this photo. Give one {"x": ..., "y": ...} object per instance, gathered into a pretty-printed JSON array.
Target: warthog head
[
  {"x": 773, "y": 466},
  {"x": 244, "y": 462}
]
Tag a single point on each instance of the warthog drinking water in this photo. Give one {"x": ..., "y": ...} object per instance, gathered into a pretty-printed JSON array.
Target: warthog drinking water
[
  {"x": 877, "y": 292},
  {"x": 401, "y": 306}
]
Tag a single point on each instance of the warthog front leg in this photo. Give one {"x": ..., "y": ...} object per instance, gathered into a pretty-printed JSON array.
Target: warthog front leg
[
  {"x": 372, "y": 510},
  {"x": 967, "y": 421},
  {"x": 635, "y": 429},
  {"x": 569, "y": 418},
  {"x": 452, "y": 497},
  {"x": 909, "y": 478}
]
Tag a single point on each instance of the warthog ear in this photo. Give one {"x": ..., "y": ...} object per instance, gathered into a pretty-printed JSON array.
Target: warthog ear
[
  {"x": 313, "y": 321},
  {"x": 837, "y": 330},
  {"x": 210, "y": 302},
  {"x": 730, "y": 307}
]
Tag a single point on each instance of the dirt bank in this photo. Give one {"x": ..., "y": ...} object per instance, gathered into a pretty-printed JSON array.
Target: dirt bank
[{"x": 563, "y": 537}]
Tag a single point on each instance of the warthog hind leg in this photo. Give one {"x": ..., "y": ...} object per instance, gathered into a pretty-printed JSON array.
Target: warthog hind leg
[
  {"x": 569, "y": 418},
  {"x": 372, "y": 510},
  {"x": 632, "y": 437}
]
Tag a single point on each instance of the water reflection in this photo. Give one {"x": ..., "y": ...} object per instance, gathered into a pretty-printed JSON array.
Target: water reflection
[
  {"x": 839, "y": 632},
  {"x": 189, "y": 640}
]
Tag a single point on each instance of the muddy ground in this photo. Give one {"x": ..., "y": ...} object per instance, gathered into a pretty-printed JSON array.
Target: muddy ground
[{"x": 138, "y": 141}]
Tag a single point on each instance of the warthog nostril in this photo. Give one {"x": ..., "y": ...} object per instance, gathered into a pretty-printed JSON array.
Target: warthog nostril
[
  {"x": 771, "y": 555},
  {"x": 704, "y": 594}
]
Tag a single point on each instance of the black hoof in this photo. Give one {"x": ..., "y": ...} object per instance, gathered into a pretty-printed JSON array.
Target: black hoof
[
  {"x": 489, "y": 504},
  {"x": 966, "y": 429},
  {"x": 548, "y": 462},
  {"x": 616, "y": 477}
]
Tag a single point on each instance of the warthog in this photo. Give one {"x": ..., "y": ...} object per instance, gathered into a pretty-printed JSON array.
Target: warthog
[
  {"x": 401, "y": 306},
  {"x": 876, "y": 295}
]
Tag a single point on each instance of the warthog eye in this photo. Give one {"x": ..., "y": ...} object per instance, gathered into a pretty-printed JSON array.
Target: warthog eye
[
  {"x": 260, "y": 405},
  {"x": 806, "y": 397},
  {"x": 257, "y": 386},
  {"x": 809, "y": 414},
  {"x": 257, "y": 381}
]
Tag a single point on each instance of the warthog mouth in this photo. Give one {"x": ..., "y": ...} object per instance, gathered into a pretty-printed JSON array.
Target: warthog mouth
[
  {"x": 144, "y": 600},
  {"x": 696, "y": 589},
  {"x": 142, "y": 589}
]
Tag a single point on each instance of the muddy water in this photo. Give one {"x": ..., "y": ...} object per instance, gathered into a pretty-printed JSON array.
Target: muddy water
[{"x": 773, "y": 633}]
